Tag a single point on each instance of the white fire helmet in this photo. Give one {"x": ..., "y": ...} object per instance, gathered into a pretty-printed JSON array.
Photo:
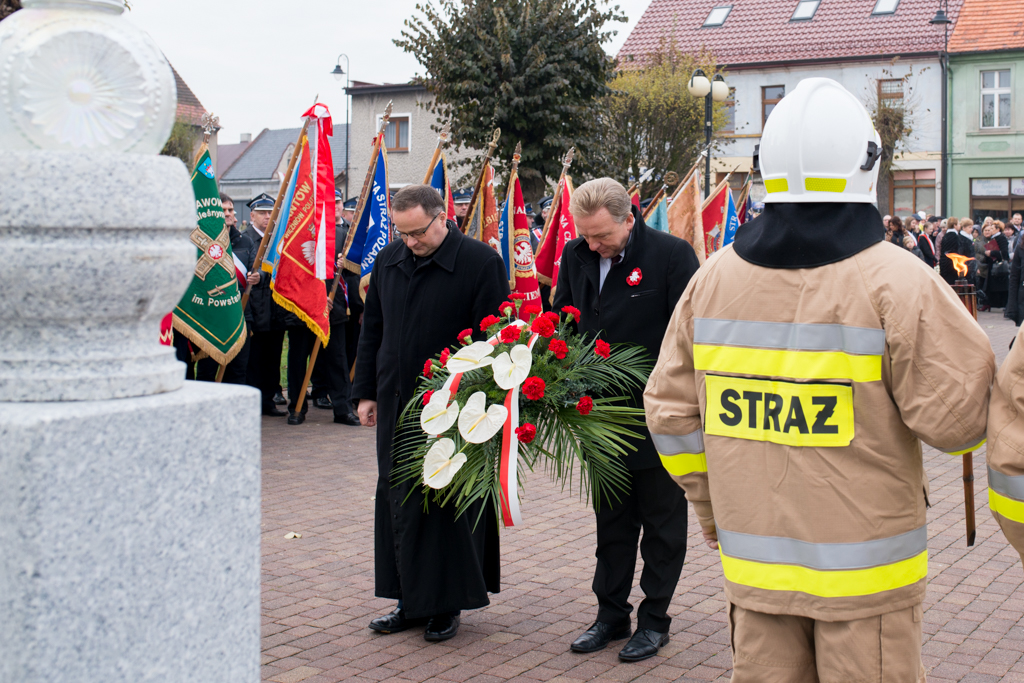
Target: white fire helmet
[{"x": 819, "y": 145}]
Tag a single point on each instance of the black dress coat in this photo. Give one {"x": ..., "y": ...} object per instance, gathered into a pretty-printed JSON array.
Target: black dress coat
[
  {"x": 267, "y": 315},
  {"x": 415, "y": 308},
  {"x": 622, "y": 313}
]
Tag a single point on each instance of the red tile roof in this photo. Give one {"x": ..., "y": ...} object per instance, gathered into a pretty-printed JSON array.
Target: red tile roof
[
  {"x": 989, "y": 25},
  {"x": 760, "y": 31},
  {"x": 190, "y": 109}
]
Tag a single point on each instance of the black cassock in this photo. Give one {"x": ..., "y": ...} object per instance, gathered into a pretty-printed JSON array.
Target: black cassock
[{"x": 414, "y": 308}]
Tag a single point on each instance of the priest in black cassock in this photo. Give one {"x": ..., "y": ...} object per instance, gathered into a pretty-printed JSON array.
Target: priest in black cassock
[{"x": 425, "y": 288}]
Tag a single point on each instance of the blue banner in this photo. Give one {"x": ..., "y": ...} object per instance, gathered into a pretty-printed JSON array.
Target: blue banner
[
  {"x": 373, "y": 230},
  {"x": 732, "y": 221}
]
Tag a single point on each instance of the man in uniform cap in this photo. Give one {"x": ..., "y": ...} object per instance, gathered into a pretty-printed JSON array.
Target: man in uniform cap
[
  {"x": 268, "y": 318},
  {"x": 461, "y": 198}
]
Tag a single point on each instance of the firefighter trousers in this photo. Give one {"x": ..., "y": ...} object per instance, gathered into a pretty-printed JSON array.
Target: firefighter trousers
[{"x": 779, "y": 648}]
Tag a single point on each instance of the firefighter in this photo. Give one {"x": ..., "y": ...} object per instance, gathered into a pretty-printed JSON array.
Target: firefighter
[
  {"x": 802, "y": 369},
  {"x": 1005, "y": 451}
]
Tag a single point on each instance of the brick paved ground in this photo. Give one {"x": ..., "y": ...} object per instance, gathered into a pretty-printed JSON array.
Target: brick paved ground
[{"x": 318, "y": 480}]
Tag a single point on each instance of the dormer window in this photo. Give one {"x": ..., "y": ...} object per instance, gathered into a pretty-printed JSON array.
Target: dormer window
[
  {"x": 885, "y": 7},
  {"x": 717, "y": 16},
  {"x": 805, "y": 10}
]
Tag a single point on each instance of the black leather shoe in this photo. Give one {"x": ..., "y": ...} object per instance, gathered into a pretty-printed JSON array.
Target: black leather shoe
[
  {"x": 442, "y": 627},
  {"x": 351, "y": 419},
  {"x": 296, "y": 418},
  {"x": 274, "y": 412},
  {"x": 395, "y": 622},
  {"x": 644, "y": 644},
  {"x": 323, "y": 402},
  {"x": 599, "y": 635},
  {"x": 279, "y": 399}
]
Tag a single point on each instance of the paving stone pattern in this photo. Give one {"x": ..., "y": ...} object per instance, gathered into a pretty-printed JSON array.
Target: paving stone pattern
[{"x": 318, "y": 481}]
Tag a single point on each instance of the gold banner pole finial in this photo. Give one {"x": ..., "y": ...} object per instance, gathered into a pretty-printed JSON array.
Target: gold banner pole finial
[
  {"x": 516, "y": 156},
  {"x": 442, "y": 138}
]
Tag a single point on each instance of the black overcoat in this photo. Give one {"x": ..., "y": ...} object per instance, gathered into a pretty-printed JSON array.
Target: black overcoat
[
  {"x": 245, "y": 250},
  {"x": 620, "y": 312},
  {"x": 434, "y": 562},
  {"x": 267, "y": 315}
]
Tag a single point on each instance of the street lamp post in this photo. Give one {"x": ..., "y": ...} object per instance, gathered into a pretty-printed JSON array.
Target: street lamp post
[
  {"x": 338, "y": 73},
  {"x": 941, "y": 18},
  {"x": 711, "y": 90}
]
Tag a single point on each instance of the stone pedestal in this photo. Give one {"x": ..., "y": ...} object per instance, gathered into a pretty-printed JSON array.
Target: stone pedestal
[{"x": 129, "y": 532}]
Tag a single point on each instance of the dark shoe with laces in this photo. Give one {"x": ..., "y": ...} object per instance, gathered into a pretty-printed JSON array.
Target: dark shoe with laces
[
  {"x": 644, "y": 644},
  {"x": 599, "y": 635},
  {"x": 395, "y": 622},
  {"x": 324, "y": 403},
  {"x": 279, "y": 399},
  {"x": 351, "y": 420},
  {"x": 296, "y": 418},
  {"x": 442, "y": 627}
]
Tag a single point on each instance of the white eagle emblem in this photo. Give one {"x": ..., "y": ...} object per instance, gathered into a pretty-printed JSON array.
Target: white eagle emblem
[{"x": 309, "y": 251}]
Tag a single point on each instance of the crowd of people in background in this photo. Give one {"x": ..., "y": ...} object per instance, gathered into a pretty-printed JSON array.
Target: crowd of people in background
[{"x": 994, "y": 246}]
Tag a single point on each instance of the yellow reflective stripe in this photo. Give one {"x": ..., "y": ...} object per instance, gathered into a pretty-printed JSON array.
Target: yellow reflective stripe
[
  {"x": 794, "y": 364},
  {"x": 776, "y": 185},
  {"x": 684, "y": 463},
  {"x": 1007, "y": 507},
  {"x": 825, "y": 584},
  {"x": 825, "y": 184},
  {"x": 968, "y": 450}
]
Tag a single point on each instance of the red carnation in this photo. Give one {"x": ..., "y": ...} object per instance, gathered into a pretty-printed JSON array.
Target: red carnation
[
  {"x": 533, "y": 388},
  {"x": 466, "y": 337},
  {"x": 602, "y": 348},
  {"x": 559, "y": 348},
  {"x": 488, "y": 321},
  {"x": 585, "y": 405},
  {"x": 445, "y": 355},
  {"x": 507, "y": 308},
  {"x": 516, "y": 296},
  {"x": 526, "y": 433},
  {"x": 552, "y": 316},
  {"x": 543, "y": 326},
  {"x": 574, "y": 313},
  {"x": 530, "y": 310},
  {"x": 510, "y": 335},
  {"x": 428, "y": 370},
  {"x": 426, "y": 396}
]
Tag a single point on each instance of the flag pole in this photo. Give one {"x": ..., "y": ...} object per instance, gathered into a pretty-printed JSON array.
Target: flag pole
[
  {"x": 338, "y": 270},
  {"x": 718, "y": 188},
  {"x": 555, "y": 203},
  {"x": 365, "y": 192},
  {"x": 686, "y": 176},
  {"x": 479, "y": 182},
  {"x": 654, "y": 202},
  {"x": 643, "y": 178},
  {"x": 441, "y": 139},
  {"x": 510, "y": 197}
]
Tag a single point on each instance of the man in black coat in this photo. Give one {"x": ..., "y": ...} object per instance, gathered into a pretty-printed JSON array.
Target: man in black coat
[
  {"x": 625, "y": 279},
  {"x": 425, "y": 288},
  {"x": 268, "y": 318}
]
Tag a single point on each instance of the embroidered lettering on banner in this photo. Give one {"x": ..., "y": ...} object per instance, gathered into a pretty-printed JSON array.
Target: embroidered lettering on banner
[{"x": 788, "y": 413}]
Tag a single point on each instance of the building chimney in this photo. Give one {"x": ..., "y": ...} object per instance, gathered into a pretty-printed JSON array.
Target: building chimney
[{"x": 245, "y": 137}]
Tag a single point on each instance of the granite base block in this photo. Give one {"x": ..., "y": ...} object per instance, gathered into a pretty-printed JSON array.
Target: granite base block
[{"x": 129, "y": 538}]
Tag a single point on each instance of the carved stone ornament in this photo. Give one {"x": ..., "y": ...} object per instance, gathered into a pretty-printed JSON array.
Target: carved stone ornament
[{"x": 75, "y": 75}]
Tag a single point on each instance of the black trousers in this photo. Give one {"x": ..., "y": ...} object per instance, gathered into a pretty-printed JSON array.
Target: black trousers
[
  {"x": 657, "y": 505},
  {"x": 300, "y": 346},
  {"x": 234, "y": 373},
  {"x": 264, "y": 369},
  {"x": 330, "y": 374}
]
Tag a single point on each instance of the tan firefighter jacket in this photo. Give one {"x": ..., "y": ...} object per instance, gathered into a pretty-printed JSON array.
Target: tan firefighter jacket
[
  {"x": 1005, "y": 451},
  {"x": 789, "y": 404}
]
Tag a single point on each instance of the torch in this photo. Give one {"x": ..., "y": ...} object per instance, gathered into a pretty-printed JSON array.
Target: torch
[{"x": 965, "y": 290}]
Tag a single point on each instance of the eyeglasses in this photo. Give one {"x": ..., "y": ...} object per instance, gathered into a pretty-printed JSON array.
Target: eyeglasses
[{"x": 417, "y": 234}]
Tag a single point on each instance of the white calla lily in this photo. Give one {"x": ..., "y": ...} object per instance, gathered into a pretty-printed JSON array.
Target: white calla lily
[
  {"x": 437, "y": 416},
  {"x": 477, "y": 424},
  {"x": 441, "y": 463},
  {"x": 476, "y": 355},
  {"x": 511, "y": 369}
]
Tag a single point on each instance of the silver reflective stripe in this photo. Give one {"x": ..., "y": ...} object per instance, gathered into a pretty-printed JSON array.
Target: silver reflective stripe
[
  {"x": 971, "y": 445},
  {"x": 823, "y": 556},
  {"x": 1005, "y": 485},
  {"x": 667, "y": 444},
  {"x": 792, "y": 336}
]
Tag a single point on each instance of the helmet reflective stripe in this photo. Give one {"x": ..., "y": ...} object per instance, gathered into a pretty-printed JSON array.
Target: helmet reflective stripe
[{"x": 819, "y": 145}]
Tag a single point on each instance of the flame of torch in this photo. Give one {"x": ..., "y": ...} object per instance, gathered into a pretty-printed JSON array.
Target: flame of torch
[{"x": 960, "y": 263}]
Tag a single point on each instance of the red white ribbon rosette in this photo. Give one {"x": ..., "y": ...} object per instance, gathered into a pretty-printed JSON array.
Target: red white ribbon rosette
[{"x": 508, "y": 472}]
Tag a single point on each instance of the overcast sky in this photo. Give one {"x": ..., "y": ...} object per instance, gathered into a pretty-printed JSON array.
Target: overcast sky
[{"x": 259, "y": 63}]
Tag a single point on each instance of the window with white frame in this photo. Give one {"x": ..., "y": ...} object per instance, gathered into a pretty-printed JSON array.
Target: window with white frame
[
  {"x": 995, "y": 99},
  {"x": 885, "y": 7},
  {"x": 717, "y": 16},
  {"x": 805, "y": 10}
]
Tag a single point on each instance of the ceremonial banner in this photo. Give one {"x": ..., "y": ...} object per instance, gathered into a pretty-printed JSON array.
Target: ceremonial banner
[
  {"x": 295, "y": 285},
  {"x": 371, "y": 230},
  {"x": 743, "y": 203},
  {"x": 482, "y": 217},
  {"x": 514, "y": 242},
  {"x": 658, "y": 218},
  {"x": 273, "y": 253},
  {"x": 732, "y": 221},
  {"x": 210, "y": 312},
  {"x": 323, "y": 190},
  {"x": 634, "y": 197},
  {"x": 439, "y": 181},
  {"x": 684, "y": 219},
  {"x": 562, "y": 231},
  {"x": 713, "y": 216}
]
